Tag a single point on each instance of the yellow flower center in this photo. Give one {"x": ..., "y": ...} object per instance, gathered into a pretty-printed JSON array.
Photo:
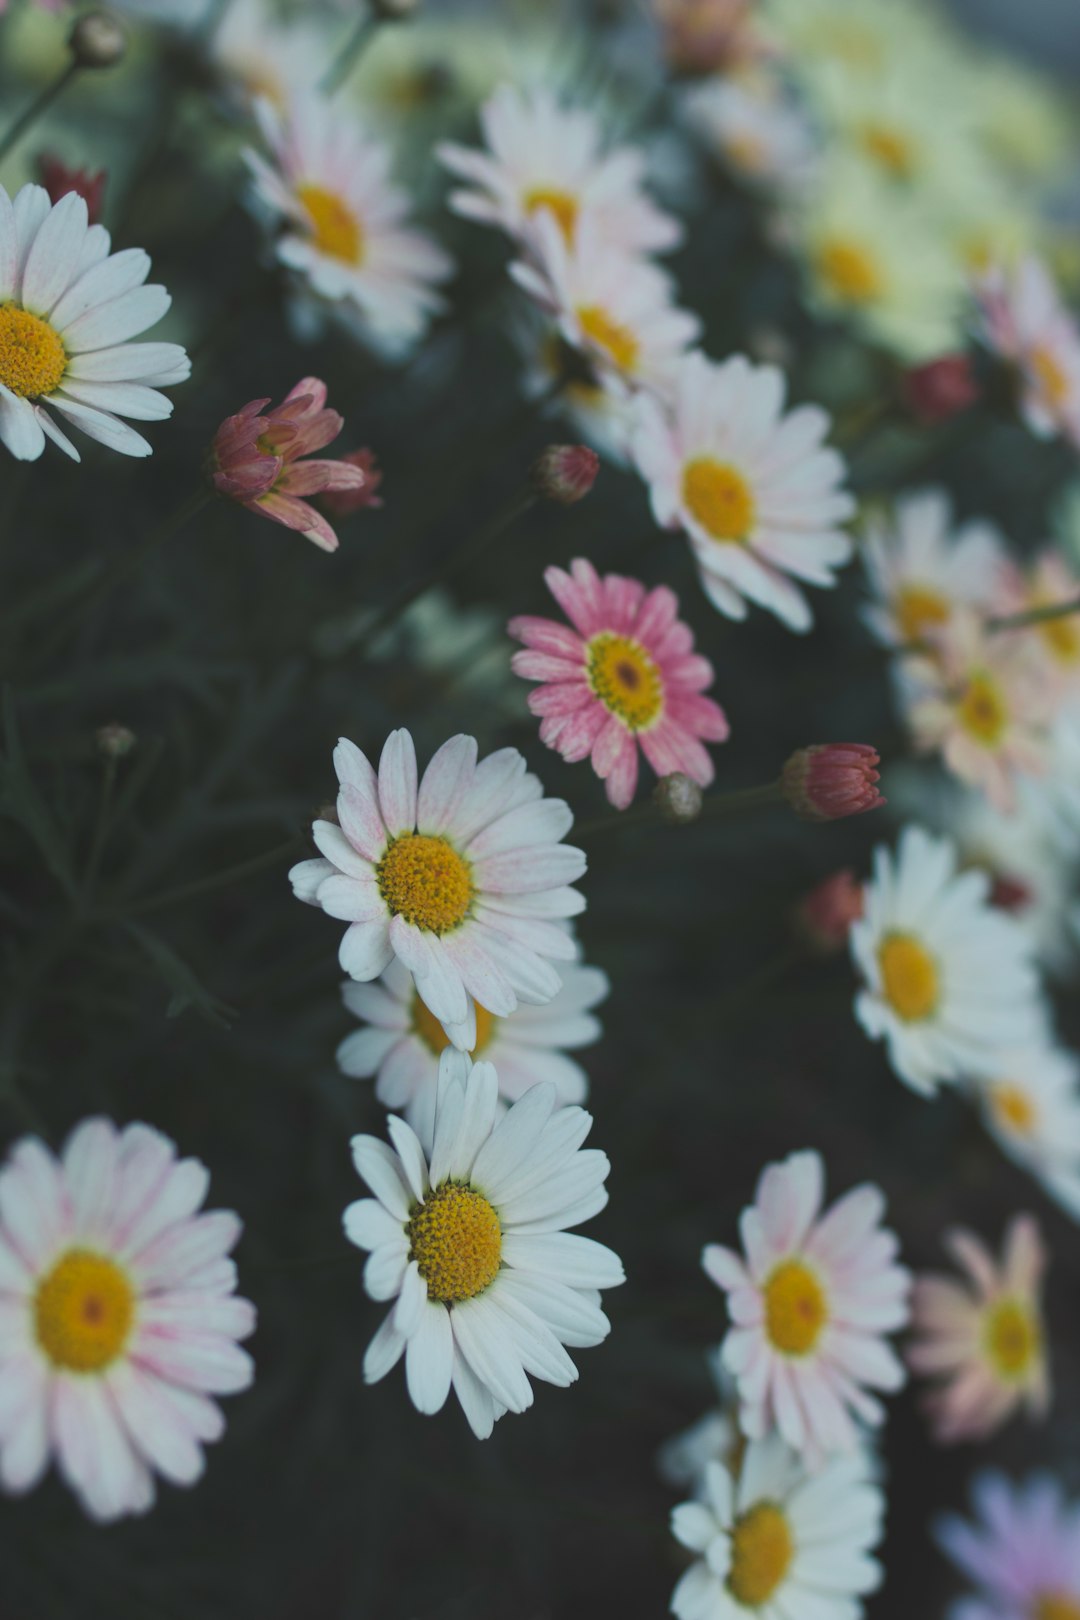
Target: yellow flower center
[
  {"x": 1051, "y": 376},
  {"x": 747, "y": 153},
  {"x": 1060, "y": 635},
  {"x": 1013, "y": 1108},
  {"x": 32, "y": 358},
  {"x": 891, "y": 149},
  {"x": 909, "y": 977},
  {"x": 617, "y": 341},
  {"x": 335, "y": 229},
  {"x": 719, "y": 498},
  {"x": 625, "y": 679},
  {"x": 83, "y": 1312},
  {"x": 456, "y": 1240},
  {"x": 762, "y": 1550},
  {"x": 982, "y": 710},
  {"x": 1012, "y": 1339},
  {"x": 849, "y": 271},
  {"x": 426, "y": 881},
  {"x": 562, "y": 204},
  {"x": 431, "y": 1032},
  {"x": 796, "y": 1309},
  {"x": 918, "y": 608},
  {"x": 1056, "y": 1606}
]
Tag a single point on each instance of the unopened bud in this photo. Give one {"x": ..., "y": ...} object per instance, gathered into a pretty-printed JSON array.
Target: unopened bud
[
  {"x": 565, "y": 473},
  {"x": 941, "y": 389},
  {"x": 59, "y": 179},
  {"x": 97, "y": 40},
  {"x": 114, "y": 740},
  {"x": 823, "y": 918},
  {"x": 678, "y": 798},
  {"x": 829, "y": 780}
]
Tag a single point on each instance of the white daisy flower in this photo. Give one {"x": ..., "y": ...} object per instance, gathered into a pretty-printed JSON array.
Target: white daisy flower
[
  {"x": 949, "y": 981},
  {"x": 469, "y": 1240},
  {"x": 403, "y": 1041},
  {"x": 1031, "y": 1107},
  {"x": 1026, "y": 323},
  {"x": 118, "y": 1316},
  {"x": 464, "y": 877},
  {"x": 262, "y": 55},
  {"x": 597, "y": 408},
  {"x": 922, "y": 568},
  {"x": 68, "y": 308},
  {"x": 342, "y": 222},
  {"x": 774, "y": 1541},
  {"x": 545, "y": 156},
  {"x": 754, "y": 487},
  {"x": 810, "y": 1306},
  {"x": 755, "y": 130}
]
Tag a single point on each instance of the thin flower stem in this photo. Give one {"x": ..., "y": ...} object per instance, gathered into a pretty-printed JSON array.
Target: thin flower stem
[
  {"x": 716, "y": 804},
  {"x": 215, "y": 880},
  {"x": 350, "y": 54},
  {"x": 40, "y": 104},
  {"x": 101, "y": 827},
  {"x": 1036, "y": 615}
]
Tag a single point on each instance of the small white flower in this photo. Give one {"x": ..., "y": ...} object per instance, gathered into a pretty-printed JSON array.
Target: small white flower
[
  {"x": 755, "y": 130},
  {"x": 922, "y": 568},
  {"x": 1025, "y": 322},
  {"x": 468, "y": 1238},
  {"x": 1031, "y": 1106}
]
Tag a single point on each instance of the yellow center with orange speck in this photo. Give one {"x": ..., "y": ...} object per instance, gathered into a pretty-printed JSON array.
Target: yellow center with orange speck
[
  {"x": 32, "y": 358},
  {"x": 625, "y": 679},
  {"x": 335, "y": 229},
  {"x": 849, "y": 271},
  {"x": 796, "y": 1309},
  {"x": 426, "y": 881},
  {"x": 618, "y": 342},
  {"x": 719, "y": 498},
  {"x": 909, "y": 977},
  {"x": 920, "y": 608},
  {"x": 762, "y": 1551},
  {"x": 84, "y": 1309},
  {"x": 1013, "y": 1108},
  {"x": 456, "y": 1240},
  {"x": 1012, "y": 1339}
]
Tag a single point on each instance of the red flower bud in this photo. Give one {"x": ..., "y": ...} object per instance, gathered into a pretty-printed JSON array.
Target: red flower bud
[
  {"x": 941, "y": 389},
  {"x": 58, "y": 179},
  {"x": 830, "y": 780},
  {"x": 823, "y": 918},
  {"x": 565, "y": 473}
]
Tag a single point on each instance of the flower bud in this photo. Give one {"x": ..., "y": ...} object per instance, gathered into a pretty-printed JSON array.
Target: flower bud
[
  {"x": 59, "y": 179},
  {"x": 823, "y": 918},
  {"x": 114, "y": 740},
  {"x": 97, "y": 40},
  {"x": 941, "y": 389},
  {"x": 342, "y": 502},
  {"x": 565, "y": 473},
  {"x": 829, "y": 780},
  {"x": 678, "y": 798}
]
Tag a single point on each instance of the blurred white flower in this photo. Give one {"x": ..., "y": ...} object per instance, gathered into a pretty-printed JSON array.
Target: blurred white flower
[
  {"x": 923, "y": 568},
  {"x": 1031, "y": 1106}
]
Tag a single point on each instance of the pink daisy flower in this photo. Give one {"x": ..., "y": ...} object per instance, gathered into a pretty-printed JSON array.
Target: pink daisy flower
[
  {"x": 982, "y": 1337},
  {"x": 626, "y": 676},
  {"x": 810, "y": 1305},
  {"x": 1026, "y": 324},
  {"x": 118, "y": 1316},
  {"x": 1023, "y": 1553}
]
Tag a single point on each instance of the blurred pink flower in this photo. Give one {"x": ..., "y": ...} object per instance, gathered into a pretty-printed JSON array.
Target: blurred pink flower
[
  {"x": 1022, "y": 1553},
  {"x": 255, "y": 459},
  {"x": 828, "y": 781},
  {"x": 940, "y": 389},
  {"x": 982, "y": 1337},
  {"x": 59, "y": 178},
  {"x": 823, "y": 918},
  {"x": 1025, "y": 323},
  {"x": 625, "y": 675},
  {"x": 343, "y": 502}
]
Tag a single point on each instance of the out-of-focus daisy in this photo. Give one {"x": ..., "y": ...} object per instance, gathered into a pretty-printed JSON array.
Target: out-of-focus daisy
[
  {"x": 598, "y": 407},
  {"x": 342, "y": 222},
  {"x": 1049, "y": 581},
  {"x": 710, "y": 36},
  {"x": 403, "y": 1041},
  {"x": 774, "y": 1540},
  {"x": 755, "y": 130},
  {"x": 1026, "y": 324},
  {"x": 865, "y": 37},
  {"x": 753, "y": 486},
  {"x": 119, "y": 1313},
  {"x": 922, "y": 569},
  {"x": 543, "y": 156},
  {"x": 982, "y": 1339},
  {"x": 948, "y": 980},
  {"x": 464, "y": 877},
  {"x": 1029, "y": 878},
  {"x": 68, "y": 308},
  {"x": 1031, "y": 1107},
  {"x": 261, "y": 55},
  {"x": 810, "y": 1307},
  {"x": 469, "y": 1243},
  {"x": 1022, "y": 1554},
  {"x": 625, "y": 676}
]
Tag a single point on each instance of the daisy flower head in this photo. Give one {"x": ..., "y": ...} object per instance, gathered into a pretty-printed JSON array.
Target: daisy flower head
[
  {"x": 755, "y": 130},
  {"x": 68, "y": 308},
  {"x": 469, "y": 1240},
  {"x": 596, "y": 406},
  {"x": 261, "y": 55},
  {"x": 542, "y": 156},
  {"x": 753, "y": 486},
  {"x": 922, "y": 567},
  {"x": 1051, "y": 580},
  {"x": 1031, "y": 1107},
  {"x": 120, "y": 1316},
  {"x": 342, "y": 222},
  {"x": 1022, "y": 1553},
  {"x": 773, "y": 1539},
  {"x": 402, "y": 1042},
  {"x": 982, "y": 1338},
  {"x": 948, "y": 979},
  {"x": 810, "y": 1305},
  {"x": 624, "y": 677},
  {"x": 1025, "y": 323},
  {"x": 462, "y": 877},
  {"x": 1030, "y": 877}
]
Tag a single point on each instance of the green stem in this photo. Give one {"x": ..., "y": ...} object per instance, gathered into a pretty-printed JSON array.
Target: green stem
[
  {"x": 716, "y": 804},
  {"x": 215, "y": 880},
  {"x": 40, "y": 104},
  {"x": 101, "y": 827},
  {"x": 1033, "y": 616},
  {"x": 349, "y": 55}
]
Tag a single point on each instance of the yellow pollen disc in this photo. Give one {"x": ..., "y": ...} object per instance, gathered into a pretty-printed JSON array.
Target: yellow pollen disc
[
  {"x": 625, "y": 679},
  {"x": 720, "y": 499},
  {"x": 431, "y": 1032},
  {"x": 456, "y": 1240},
  {"x": 1013, "y": 1109},
  {"x": 747, "y": 153},
  {"x": 909, "y": 977},
  {"x": 1051, "y": 377},
  {"x": 762, "y": 1549},
  {"x": 890, "y": 149},
  {"x": 335, "y": 229},
  {"x": 982, "y": 710},
  {"x": 849, "y": 272},
  {"x": 1060, "y": 635},
  {"x": 426, "y": 881},
  {"x": 1012, "y": 1339},
  {"x": 796, "y": 1309},
  {"x": 918, "y": 608},
  {"x": 1056, "y": 1606},
  {"x": 562, "y": 204},
  {"x": 83, "y": 1312},
  {"x": 617, "y": 341},
  {"x": 32, "y": 358}
]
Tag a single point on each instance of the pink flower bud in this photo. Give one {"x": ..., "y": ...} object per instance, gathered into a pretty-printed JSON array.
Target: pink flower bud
[
  {"x": 343, "y": 502},
  {"x": 823, "y": 918},
  {"x": 829, "y": 780},
  {"x": 58, "y": 179},
  {"x": 565, "y": 473},
  {"x": 941, "y": 389}
]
